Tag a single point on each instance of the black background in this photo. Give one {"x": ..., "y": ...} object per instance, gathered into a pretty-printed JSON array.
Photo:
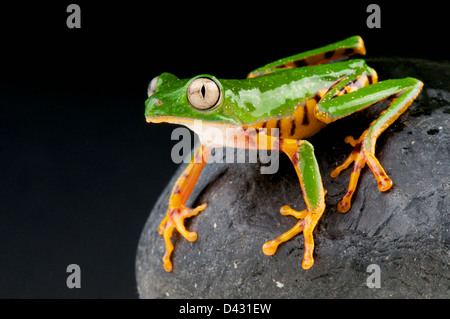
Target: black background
[{"x": 80, "y": 168}]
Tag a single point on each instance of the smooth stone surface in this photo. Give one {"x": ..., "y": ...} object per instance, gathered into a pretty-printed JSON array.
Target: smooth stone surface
[{"x": 405, "y": 231}]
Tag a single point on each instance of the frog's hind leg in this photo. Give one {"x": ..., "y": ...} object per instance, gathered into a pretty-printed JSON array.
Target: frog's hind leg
[
  {"x": 334, "y": 51},
  {"x": 301, "y": 154},
  {"x": 401, "y": 93}
]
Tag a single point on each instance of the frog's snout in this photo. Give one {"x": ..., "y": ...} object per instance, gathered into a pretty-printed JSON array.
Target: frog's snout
[
  {"x": 149, "y": 119},
  {"x": 152, "y": 110},
  {"x": 155, "y": 118}
]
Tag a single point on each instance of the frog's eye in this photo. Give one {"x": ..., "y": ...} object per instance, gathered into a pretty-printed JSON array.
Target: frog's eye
[
  {"x": 203, "y": 93},
  {"x": 152, "y": 86}
]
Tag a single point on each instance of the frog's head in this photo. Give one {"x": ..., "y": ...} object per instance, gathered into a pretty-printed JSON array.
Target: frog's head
[{"x": 181, "y": 101}]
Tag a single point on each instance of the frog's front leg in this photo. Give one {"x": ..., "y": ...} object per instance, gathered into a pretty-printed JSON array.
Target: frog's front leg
[
  {"x": 301, "y": 154},
  {"x": 177, "y": 212},
  {"x": 401, "y": 92}
]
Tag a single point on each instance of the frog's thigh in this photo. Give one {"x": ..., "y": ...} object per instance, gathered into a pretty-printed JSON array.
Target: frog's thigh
[
  {"x": 301, "y": 154},
  {"x": 402, "y": 92},
  {"x": 330, "y": 110},
  {"x": 344, "y": 48}
]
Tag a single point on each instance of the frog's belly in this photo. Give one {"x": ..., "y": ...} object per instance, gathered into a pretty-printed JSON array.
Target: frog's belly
[{"x": 216, "y": 134}]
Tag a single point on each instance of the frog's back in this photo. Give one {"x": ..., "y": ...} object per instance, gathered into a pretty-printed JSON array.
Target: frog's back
[
  {"x": 295, "y": 119},
  {"x": 287, "y": 99}
]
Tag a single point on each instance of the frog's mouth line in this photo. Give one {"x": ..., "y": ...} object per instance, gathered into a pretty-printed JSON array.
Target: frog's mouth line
[
  {"x": 181, "y": 121},
  {"x": 168, "y": 119}
]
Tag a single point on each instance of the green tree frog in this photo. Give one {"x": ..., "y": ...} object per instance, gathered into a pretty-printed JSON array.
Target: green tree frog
[{"x": 294, "y": 97}]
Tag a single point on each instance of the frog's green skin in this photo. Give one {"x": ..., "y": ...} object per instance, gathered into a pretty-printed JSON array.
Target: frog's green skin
[{"x": 297, "y": 95}]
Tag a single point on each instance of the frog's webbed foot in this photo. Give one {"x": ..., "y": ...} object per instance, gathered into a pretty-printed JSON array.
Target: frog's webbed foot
[
  {"x": 175, "y": 219},
  {"x": 361, "y": 155},
  {"x": 306, "y": 224}
]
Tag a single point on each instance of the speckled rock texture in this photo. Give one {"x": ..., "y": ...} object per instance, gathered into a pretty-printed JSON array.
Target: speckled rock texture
[{"x": 405, "y": 231}]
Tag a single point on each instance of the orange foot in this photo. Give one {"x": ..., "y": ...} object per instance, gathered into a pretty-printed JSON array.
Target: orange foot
[
  {"x": 362, "y": 154},
  {"x": 307, "y": 222},
  {"x": 175, "y": 219}
]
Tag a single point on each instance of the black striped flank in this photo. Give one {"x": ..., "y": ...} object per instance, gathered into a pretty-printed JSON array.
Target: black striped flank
[
  {"x": 293, "y": 125},
  {"x": 305, "y": 115},
  {"x": 317, "y": 98},
  {"x": 278, "y": 125}
]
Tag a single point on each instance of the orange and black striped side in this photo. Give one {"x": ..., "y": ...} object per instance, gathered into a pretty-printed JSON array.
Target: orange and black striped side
[{"x": 303, "y": 122}]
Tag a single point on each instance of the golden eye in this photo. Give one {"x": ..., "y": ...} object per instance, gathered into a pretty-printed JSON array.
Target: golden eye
[
  {"x": 152, "y": 86},
  {"x": 203, "y": 93}
]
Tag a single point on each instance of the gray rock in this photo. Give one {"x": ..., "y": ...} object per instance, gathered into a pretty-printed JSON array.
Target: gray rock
[{"x": 405, "y": 231}]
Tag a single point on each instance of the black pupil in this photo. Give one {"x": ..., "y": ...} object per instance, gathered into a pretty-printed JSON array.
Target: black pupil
[{"x": 203, "y": 91}]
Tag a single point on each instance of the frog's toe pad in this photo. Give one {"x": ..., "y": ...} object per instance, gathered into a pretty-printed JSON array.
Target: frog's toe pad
[
  {"x": 384, "y": 183},
  {"x": 270, "y": 247},
  {"x": 307, "y": 262},
  {"x": 344, "y": 205}
]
